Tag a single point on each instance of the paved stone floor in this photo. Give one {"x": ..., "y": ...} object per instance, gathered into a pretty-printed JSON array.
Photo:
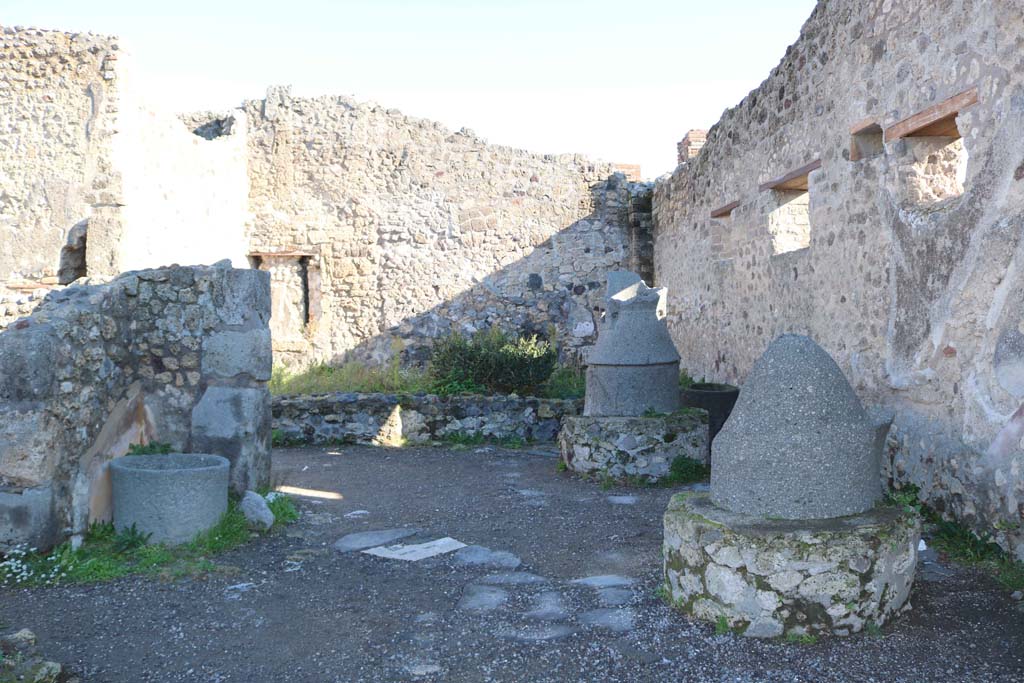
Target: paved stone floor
[{"x": 557, "y": 584}]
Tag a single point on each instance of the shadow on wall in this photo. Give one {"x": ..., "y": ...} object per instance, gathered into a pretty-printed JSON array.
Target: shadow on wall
[{"x": 557, "y": 289}]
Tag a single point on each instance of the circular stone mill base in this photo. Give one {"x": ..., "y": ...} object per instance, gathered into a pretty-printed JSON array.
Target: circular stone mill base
[
  {"x": 769, "y": 578},
  {"x": 632, "y": 446}
]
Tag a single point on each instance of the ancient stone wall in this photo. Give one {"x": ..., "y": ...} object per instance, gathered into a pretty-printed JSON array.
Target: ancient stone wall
[
  {"x": 175, "y": 355},
  {"x": 870, "y": 194},
  {"x": 383, "y": 232},
  {"x": 93, "y": 181},
  {"x": 391, "y": 420},
  {"x": 59, "y": 99}
]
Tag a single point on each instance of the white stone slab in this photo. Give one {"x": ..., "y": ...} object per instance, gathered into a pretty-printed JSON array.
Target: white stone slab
[{"x": 417, "y": 551}]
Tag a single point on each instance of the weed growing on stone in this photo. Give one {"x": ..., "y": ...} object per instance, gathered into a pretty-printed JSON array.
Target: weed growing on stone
[
  {"x": 106, "y": 554},
  {"x": 685, "y": 470},
  {"x": 283, "y": 507},
  {"x": 722, "y": 626},
  {"x": 801, "y": 639},
  {"x": 560, "y": 466},
  {"x": 873, "y": 629},
  {"x": 278, "y": 439},
  {"x": 963, "y": 545},
  {"x": 151, "y": 448},
  {"x": 467, "y": 439}
]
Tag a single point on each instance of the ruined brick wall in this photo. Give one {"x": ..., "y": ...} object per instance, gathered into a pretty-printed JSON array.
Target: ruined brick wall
[
  {"x": 175, "y": 355},
  {"x": 904, "y": 260},
  {"x": 383, "y": 232},
  {"x": 58, "y": 108}
]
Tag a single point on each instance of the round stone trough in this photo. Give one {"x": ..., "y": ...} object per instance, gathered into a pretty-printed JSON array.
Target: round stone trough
[
  {"x": 172, "y": 496},
  {"x": 774, "y": 577}
]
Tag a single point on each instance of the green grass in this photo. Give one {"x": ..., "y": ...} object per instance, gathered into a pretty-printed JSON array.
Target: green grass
[
  {"x": 106, "y": 554},
  {"x": 963, "y": 545},
  {"x": 801, "y": 639},
  {"x": 350, "y": 377},
  {"x": 722, "y": 626}
]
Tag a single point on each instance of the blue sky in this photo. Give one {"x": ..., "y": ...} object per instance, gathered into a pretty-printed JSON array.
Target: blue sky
[{"x": 619, "y": 81}]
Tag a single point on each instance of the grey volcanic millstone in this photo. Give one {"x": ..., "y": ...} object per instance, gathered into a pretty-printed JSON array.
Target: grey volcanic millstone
[
  {"x": 799, "y": 444},
  {"x": 634, "y": 366}
]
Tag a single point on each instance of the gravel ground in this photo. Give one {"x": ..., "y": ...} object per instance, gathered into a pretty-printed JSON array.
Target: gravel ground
[{"x": 291, "y": 607}]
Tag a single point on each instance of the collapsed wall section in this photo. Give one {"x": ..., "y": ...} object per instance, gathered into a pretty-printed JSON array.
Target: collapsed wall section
[
  {"x": 383, "y": 232},
  {"x": 870, "y": 194},
  {"x": 177, "y": 355}
]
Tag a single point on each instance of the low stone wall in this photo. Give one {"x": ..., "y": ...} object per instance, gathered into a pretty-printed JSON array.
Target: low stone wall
[
  {"x": 393, "y": 420},
  {"x": 179, "y": 355},
  {"x": 775, "y": 577},
  {"x": 632, "y": 446}
]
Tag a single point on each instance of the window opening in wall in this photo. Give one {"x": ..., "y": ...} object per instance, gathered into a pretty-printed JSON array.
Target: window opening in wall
[
  {"x": 789, "y": 221},
  {"x": 294, "y": 294},
  {"x": 932, "y": 157},
  {"x": 867, "y": 140}
]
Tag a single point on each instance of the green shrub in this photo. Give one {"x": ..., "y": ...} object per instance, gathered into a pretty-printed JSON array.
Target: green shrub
[
  {"x": 491, "y": 361},
  {"x": 565, "y": 382}
]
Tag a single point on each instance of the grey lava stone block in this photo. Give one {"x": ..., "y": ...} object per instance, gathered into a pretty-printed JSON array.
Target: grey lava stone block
[
  {"x": 172, "y": 496},
  {"x": 799, "y": 444}
]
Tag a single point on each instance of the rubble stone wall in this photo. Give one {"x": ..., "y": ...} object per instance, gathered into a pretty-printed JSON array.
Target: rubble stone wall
[
  {"x": 408, "y": 231},
  {"x": 176, "y": 355},
  {"x": 59, "y": 99},
  {"x": 912, "y": 276},
  {"x": 391, "y": 420}
]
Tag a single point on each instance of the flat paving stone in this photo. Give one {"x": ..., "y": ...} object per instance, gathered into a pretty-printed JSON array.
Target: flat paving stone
[
  {"x": 548, "y": 606},
  {"x": 614, "y": 596},
  {"x": 605, "y": 581},
  {"x": 622, "y": 500},
  {"x": 535, "y": 634},
  {"x": 618, "y": 620},
  {"x": 478, "y": 555},
  {"x": 482, "y": 598},
  {"x": 512, "y": 579},
  {"x": 369, "y": 539}
]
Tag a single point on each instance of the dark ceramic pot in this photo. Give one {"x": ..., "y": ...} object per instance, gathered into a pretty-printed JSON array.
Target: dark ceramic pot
[{"x": 717, "y": 399}]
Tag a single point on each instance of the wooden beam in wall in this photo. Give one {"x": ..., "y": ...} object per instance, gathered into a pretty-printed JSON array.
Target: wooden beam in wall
[
  {"x": 938, "y": 120},
  {"x": 868, "y": 125},
  {"x": 794, "y": 180},
  {"x": 723, "y": 211}
]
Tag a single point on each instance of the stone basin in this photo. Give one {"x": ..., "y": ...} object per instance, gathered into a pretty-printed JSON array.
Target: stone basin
[{"x": 172, "y": 496}]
